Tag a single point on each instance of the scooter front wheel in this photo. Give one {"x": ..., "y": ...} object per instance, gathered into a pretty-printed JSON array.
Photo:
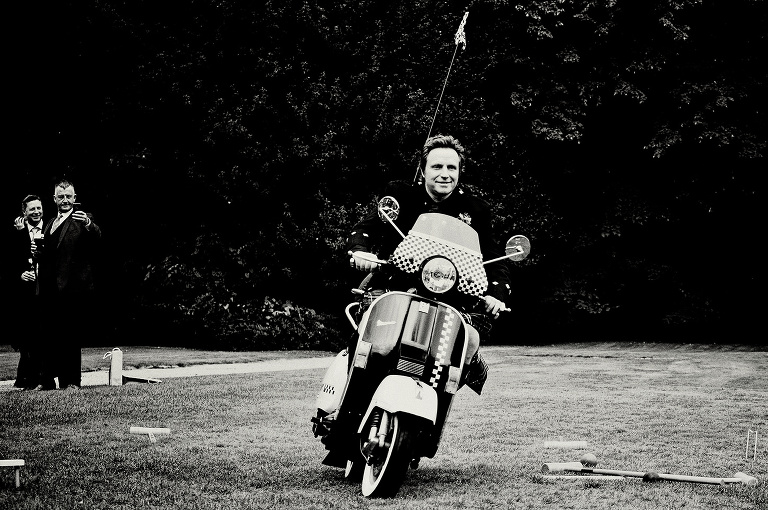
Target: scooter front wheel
[{"x": 386, "y": 470}]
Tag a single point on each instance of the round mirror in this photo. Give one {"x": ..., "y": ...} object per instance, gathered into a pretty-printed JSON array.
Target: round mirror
[
  {"x": 518, "y": 247},
  {"x": 389, "y": 208}
]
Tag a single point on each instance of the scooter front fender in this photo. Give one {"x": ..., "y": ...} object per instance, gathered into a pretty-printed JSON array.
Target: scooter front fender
[{"x": 403, "y": 394}]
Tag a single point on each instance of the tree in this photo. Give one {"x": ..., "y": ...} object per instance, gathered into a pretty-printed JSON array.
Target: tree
[{"x": 243, "y": 139}]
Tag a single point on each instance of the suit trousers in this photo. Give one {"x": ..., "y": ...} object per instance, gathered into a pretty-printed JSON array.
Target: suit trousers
[
  {"x": 27, "y": 373},
  {"x": 27, "y": 337},
  {"x": 62, "y": 334}
]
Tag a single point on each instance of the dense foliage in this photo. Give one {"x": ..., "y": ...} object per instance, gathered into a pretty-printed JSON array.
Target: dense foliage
[{"x": 226, "y": 148}]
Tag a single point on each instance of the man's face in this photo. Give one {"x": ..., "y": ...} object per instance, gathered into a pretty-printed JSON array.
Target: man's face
[
  {"x": 441, "y": 174},
  {"x": 34, "y": 212},
  {"x": 64, "y": 198}
]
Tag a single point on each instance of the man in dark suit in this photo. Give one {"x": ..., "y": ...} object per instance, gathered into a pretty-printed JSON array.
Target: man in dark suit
[
  {"x": 66, "y": 283},
  {"x": 23, "y": 275}
]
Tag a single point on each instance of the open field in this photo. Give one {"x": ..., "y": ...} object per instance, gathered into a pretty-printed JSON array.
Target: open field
[{"x": 245, "y": 441}]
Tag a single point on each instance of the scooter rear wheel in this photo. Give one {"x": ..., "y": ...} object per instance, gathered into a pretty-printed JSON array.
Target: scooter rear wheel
[{"x": 385, "y": 474}]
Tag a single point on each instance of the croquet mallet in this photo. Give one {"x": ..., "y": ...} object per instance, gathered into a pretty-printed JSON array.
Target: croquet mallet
[{"x": 649, "y": 476}]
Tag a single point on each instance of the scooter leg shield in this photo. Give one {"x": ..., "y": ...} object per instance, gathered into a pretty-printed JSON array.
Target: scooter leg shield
[
  {"x": 403, "y": 394},
  {"x": 333, "y": 384}
]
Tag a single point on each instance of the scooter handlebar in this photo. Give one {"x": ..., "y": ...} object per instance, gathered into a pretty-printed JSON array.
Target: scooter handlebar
[{"x": 369, "y": 257}]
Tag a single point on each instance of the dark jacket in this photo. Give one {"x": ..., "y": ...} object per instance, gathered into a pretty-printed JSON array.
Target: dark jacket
[
  {"x": 66, "y": 265},
  {"x": 22, "y": 261},
  {"x": 18, "y": 294},
  {"x": 377, "y": 236}
]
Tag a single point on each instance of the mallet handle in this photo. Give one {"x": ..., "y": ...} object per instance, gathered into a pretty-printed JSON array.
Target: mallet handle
[
  {"x": 576, "y": 467},
  {"x": 582, "y": 477},
  {"x": 559, "y": 467},
  {"x": 692, "y": 479},
  {"x": 563, "y": 444}
]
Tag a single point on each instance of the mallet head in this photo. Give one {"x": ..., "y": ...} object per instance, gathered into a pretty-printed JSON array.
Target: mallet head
[
  {"x": 745, "y": 478},
  {"x": 651, "y": 476}
]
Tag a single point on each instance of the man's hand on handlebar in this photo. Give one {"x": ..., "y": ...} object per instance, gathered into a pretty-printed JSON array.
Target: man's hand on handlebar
[
  {"x": 364, "y": 261},
  {"x": 493, "y": 306}
]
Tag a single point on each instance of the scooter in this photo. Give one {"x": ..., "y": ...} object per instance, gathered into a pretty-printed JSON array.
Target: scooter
[{"x": 383, "y": 405}]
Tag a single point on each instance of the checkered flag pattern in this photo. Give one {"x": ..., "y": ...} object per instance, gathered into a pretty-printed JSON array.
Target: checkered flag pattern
[
  {"x": 446, "y": 333},
  {"x": 415, "y": 248}
]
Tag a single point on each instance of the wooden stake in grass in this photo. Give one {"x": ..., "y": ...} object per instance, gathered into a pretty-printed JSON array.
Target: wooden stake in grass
[
  {"x": 150, "y": 431},
  {"x": 754, "y": 453},
  {"x": 16, "y": 464}
]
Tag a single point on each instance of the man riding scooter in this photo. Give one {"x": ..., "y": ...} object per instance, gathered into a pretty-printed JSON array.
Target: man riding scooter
[{"x": 436, "y": 190}]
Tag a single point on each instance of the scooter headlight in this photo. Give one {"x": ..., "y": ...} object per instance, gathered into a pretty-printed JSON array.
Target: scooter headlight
[{"x": 439, "y": 275}]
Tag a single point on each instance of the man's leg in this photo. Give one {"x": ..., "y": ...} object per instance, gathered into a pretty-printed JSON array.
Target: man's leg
[
  {"x": 69, "y": 361},
  {"x": 70, "y": 366},
  {"x": 30, "y": 362},
  {"x": 475, "y": 371},
  {"x": 26, "y": 376},
  {"x": 46, "y": 346},
  {"x": 473, "y": 344}
]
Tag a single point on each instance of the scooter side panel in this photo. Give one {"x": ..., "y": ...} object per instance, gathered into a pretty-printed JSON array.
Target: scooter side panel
[
  {"x": 385, "y": 322},
  {"x": 335, "y": 379},
  {"x": 447, "y": 347}
]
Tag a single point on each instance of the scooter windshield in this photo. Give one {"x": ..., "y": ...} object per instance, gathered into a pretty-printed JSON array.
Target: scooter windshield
[
  {"x": 448, "y": 230},
  {"x": 438, "y": 234}
]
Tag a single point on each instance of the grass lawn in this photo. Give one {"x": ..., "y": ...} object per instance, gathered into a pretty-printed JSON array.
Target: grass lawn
[{"x": 245, "y": 441}]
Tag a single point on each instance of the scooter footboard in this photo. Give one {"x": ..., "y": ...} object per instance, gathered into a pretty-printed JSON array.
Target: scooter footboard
[{"x": 403, "y": 394}]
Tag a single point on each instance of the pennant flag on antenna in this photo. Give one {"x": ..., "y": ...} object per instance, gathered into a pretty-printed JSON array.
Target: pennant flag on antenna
[{"x": 460, "y": 37}]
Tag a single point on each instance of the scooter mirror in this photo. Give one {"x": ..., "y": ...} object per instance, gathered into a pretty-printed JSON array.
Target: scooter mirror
[
  {"x": 389, "y": 208},
  {"x": 518, "y": 247}
]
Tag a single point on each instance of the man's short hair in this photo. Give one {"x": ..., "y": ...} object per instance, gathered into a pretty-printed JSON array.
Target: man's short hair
[
  {"x": 63, "y": 184},
  {"x": 442, "y": 142}
]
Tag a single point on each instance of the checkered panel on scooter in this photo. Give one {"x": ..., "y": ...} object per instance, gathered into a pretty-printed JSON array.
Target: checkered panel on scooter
[{"x": 414, "y": 249}]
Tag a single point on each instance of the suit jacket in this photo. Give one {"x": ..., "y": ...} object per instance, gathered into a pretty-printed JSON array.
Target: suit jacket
[
  {"x": 66, "y": 264},
  {"x": 16, "y": 293},
  {"x": 22, "y": 261}
]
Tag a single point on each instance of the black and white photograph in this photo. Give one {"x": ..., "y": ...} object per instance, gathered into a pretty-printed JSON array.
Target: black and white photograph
[{"x": 407, "y": 255}]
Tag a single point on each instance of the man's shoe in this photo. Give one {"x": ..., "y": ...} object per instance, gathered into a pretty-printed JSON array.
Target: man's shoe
[
  {"x": 335, "y": 458},
  {"x": 23, "y": 384},
  {"x": 40, "y": 387},
  {"x": 70, "y": 387}
]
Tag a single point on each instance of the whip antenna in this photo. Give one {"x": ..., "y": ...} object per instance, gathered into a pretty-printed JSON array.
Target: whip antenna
[{"x": 459, "y": 38}]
